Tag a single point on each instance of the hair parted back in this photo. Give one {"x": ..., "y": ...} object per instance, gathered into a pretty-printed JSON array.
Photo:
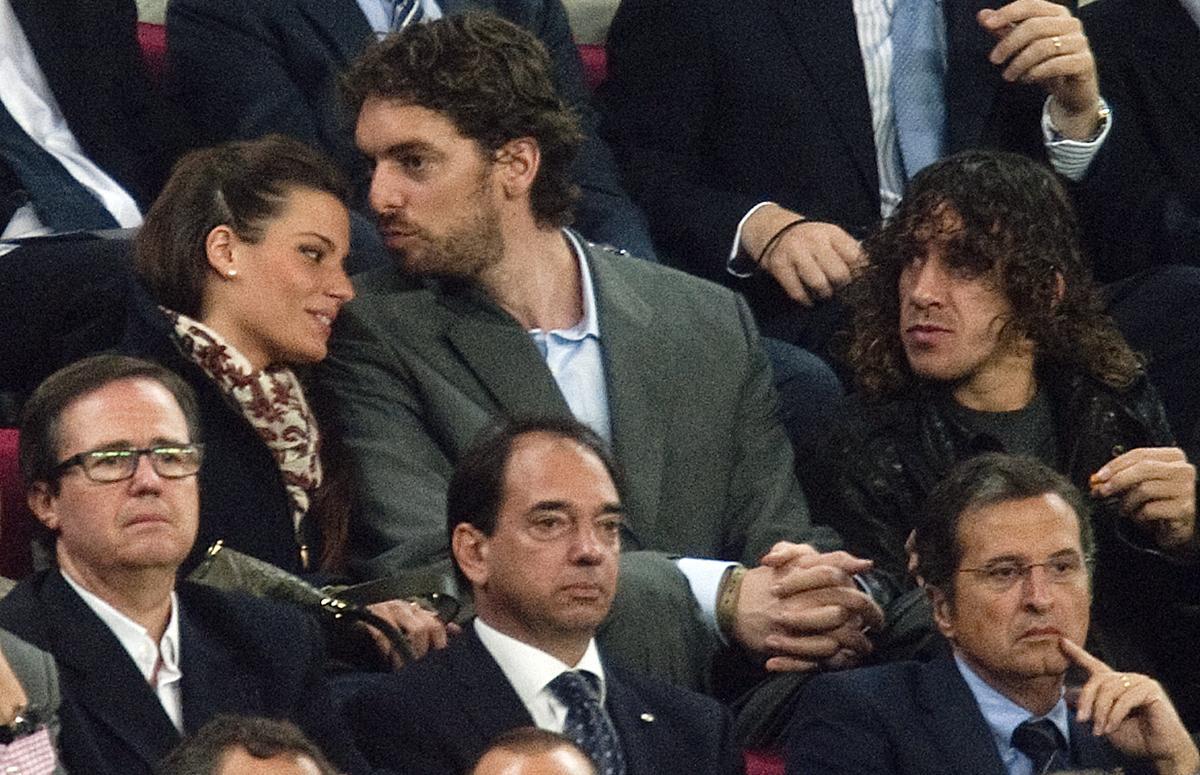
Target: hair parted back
[
  {"x": 262, "y": 738},
  {"x": 492, "y": 80},
  {"x": 1003, "y": 216},
  {"x": 41, "y": 432},
  {"x": 241, "y": 184},
  {"x": 978, "y": 482}
]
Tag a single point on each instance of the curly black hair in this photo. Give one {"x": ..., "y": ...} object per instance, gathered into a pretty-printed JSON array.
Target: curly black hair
[{"x": 1002, "y": 216}]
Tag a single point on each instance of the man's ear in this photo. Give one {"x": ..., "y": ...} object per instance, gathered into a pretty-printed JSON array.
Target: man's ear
[
  {"x": 943, "y": 611},
  {"x": 42, "y": 503},
  {"x": 469, "y": 545},
  {"x": 517, "y": 163},
  {"x": 219, "y": 250}
]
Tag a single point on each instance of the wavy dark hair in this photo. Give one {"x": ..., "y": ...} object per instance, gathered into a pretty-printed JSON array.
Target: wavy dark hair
[
  {"x": 999, "y": 215},
  {"x": 492, "y": 80}
]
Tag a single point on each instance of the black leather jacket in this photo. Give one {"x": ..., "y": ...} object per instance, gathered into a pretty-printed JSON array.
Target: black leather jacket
[{"x": 882, "y": 458}]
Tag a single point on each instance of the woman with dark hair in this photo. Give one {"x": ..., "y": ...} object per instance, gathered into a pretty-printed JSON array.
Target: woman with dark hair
[
  {"x": 241, "y": 260},
  {"x": 240, "y": 263}
]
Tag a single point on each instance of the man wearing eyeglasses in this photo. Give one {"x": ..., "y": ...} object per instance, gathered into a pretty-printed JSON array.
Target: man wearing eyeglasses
[
  {"x": 978, "y": 328},
  {"x": 1004, "y": 547},
  {"x": 109, "y": 453}
]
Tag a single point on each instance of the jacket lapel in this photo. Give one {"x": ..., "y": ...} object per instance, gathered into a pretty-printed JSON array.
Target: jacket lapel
[
  {"x": 634, "y": 724},
  {"x": 487, "y": 699},
  {"x": 971, "y": 80},
  {"x": 637, "y": 356},
  {"x": 824, "y": 37},
  {"x": 951, "y": 706},
  {"x": 341, "y": 23},
  {"x": 501, "y": 355},
  {"x": 213, "y": 682},
  {"x": 104, "y": 681}
]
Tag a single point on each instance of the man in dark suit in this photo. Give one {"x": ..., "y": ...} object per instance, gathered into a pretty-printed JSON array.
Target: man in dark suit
[
  {"x": 714, "y": 110},
  {"x": 500, "y": 311},
  {"x": 79, "y": 64},
  {"x": 143, "y": 659},
  {"x": 1148, "y": 54},
  {"x": 245, "y": 68},
  {"x": 1004, "y": 548},
  {"x": 534, "y": 519}
]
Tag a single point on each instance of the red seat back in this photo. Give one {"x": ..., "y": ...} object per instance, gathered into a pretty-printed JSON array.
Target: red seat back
[
  {"x": 16, "y": 521},
  {"x": 153, "y": 40}
]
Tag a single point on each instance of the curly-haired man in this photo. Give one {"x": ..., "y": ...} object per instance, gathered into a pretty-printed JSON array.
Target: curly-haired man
[{"x": 977, "y": 328}]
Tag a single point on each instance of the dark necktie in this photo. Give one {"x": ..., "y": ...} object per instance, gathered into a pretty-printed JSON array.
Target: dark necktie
[
  {"x": 405, "y": 12},
  {"x": 587, "y": 723},
  {"x": 1042, "y": 742},
  {"x": 59, "y": 200}
]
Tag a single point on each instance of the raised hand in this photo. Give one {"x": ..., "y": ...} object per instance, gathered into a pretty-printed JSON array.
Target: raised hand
[{"x": 1134, "y": 713}]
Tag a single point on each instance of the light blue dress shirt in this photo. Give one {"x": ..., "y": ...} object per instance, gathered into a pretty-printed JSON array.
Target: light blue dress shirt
[
  {"x": 379, "y": 13},
  {"x": 1003, "y": 716}
]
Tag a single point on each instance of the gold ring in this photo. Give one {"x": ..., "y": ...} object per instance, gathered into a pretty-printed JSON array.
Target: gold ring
[
  {"x": 1057, "y": 41},
  {"x": 1125, "y": 682}
]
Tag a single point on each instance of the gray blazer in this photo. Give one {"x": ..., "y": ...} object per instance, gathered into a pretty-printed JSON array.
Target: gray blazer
[
  {"x": 36, "y": 671},
  {"x": 415, "y": 373}
]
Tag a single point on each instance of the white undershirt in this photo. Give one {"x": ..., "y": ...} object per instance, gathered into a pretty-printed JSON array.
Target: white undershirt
[{"x": 27, "y": 97}]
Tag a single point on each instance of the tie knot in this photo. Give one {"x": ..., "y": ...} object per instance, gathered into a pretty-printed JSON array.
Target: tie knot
[
  {"x": 1041, "y": 741},
  {"x": 574, "y": 688}
]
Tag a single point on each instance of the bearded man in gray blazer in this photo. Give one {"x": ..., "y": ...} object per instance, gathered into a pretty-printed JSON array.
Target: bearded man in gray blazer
[{"x": 498, "y": 310}]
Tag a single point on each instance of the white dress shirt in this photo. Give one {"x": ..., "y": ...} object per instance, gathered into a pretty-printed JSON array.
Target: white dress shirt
[
  {"x": 530, "y": 671},
  {"x": 157, "y": 662},
  {"x": 27, "y": 96}
]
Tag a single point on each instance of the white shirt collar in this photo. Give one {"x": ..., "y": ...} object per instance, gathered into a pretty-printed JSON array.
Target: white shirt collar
[
  {"x": 589, "y": 324},
  {"x": 528, "y": 668}
]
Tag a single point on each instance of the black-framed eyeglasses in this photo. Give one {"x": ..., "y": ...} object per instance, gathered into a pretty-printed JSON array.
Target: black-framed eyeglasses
[
  {"x": 1067, "y": 569},
  {"x": 170, "y": 461}
]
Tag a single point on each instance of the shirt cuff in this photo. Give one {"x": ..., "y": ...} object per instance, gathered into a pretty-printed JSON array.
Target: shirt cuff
[
  {"x": 704, "y": 577},
  {"x": 741, "y": 264},
  {"x": 1071, "y": 158}
]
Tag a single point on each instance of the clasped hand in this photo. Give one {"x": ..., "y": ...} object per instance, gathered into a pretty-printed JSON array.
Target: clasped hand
[{"x": 802, "y": 609}]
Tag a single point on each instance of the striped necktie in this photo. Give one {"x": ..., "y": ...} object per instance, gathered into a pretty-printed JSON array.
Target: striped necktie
[{"x": 404, "y": 13}]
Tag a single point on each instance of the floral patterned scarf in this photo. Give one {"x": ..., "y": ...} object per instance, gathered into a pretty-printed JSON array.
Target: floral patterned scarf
[{"x": 272, "y": 400}]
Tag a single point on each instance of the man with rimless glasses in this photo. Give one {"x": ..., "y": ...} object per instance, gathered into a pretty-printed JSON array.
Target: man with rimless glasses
[
  {"x": 109, "y": 452},
  {"x": 1004, "y": 549}
]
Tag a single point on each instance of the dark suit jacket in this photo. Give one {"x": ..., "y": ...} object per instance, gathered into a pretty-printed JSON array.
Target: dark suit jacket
[
  {"x": 238, "y": 655},
  {"x": 89, "y": 54},
  {"x": 244, "y": 68},
  {"x": 908, "y": 718},
  {"x": 438, "y": 715},
  {"x": 1148, "y": 54},
  {"x": 416, "y": 373},
  {"x": 712, "y": 110},
  {"x": 243, "y": 500}
]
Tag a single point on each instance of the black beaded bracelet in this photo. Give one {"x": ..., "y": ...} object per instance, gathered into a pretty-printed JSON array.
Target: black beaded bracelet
[{"x": 775, "y": 238}]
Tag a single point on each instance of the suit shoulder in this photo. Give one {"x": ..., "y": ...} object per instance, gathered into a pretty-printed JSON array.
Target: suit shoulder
[
  {"x": 883, "y": 685},
  {"x": 21, "y": 611}
]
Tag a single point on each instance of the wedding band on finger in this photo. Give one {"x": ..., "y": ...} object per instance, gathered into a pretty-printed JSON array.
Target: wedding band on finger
[
  {"x": 1125, "y": 682},
  {"x": 1057, "y": 41}
]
